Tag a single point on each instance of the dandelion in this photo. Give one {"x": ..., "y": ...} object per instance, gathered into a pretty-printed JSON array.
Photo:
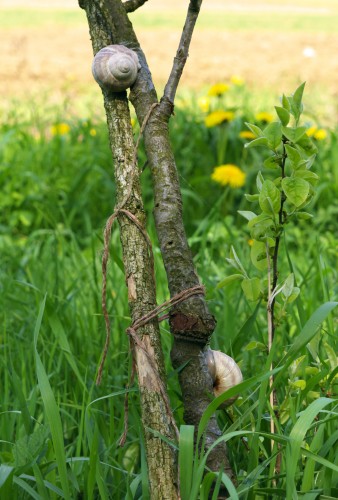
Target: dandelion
[
  {"x": 317, "y": 133},
  {"x": 311, "y": 131},
  {"x": 247, "y": 134},
  {"x": 229, "y": 175},
  {"x": 264, "y": 116},
  {"x": 320, "y": 134},
  {"x": 60, "y": 129},
  {"x": 237, "y": 80},
  {"x": 92, "y": 132},
  {"x": 218, "y": 89},
  {"x": 204, "y": 104},
  {"x": 218, "y": 117}
]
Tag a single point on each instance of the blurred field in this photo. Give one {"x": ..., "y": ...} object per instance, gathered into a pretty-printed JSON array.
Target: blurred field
[{"x": 272, "y": 45}]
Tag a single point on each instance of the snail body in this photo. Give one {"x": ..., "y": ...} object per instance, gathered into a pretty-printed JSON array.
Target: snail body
[
  {"x": 224, "y": 372},
  {"x": 115, "y": 67}
]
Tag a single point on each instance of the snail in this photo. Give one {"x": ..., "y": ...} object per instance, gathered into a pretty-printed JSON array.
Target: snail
[
  {"x": 115, "y": 67},
  {"x": 224, "y": 372}
]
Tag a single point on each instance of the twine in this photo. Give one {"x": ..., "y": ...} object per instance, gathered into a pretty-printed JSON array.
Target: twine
[
  {"x": 131, "y": 331},
  {"x": 106, "y": 240}
]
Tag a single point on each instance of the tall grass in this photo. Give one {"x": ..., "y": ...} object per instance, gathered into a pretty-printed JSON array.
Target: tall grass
[{"x": 58, "y": 431}]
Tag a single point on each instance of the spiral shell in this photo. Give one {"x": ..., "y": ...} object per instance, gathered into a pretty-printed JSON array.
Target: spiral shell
[
  {"x": 224, "y": 372},
  {"x": 115, "y": 67}
]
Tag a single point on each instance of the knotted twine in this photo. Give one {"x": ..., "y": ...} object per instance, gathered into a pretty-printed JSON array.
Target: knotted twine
[{"x": 146, "y": 318}]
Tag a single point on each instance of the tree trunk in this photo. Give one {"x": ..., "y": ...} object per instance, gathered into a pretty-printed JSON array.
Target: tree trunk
[
  {"x": 190, "y": 321},
  {"x": 139, "y": 278}
]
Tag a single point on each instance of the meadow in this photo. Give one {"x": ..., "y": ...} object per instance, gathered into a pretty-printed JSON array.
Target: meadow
[{"x": 59, "y": 432}]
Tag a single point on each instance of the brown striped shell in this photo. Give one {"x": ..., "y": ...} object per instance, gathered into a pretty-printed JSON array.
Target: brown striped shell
[
  {"x": 115, "y": 67},
  {"x": 224, "y": 372}
]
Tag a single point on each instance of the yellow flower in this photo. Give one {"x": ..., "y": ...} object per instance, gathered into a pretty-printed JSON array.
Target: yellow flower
[
  {"x": 218, "y": 89},
  {"x": 92, "y": 132},
  {"x": 264, "y": 116},
  {"x": 204, "y": 103},
  {"x": 229, "y": 174},
  {"x": 247, "y": 134},
  {"x": 320, "y": 134},
  {"x": 250, "y": 242},
  {"x": 133, "y": 122},
  {"x": 237, "y": 80},
  {"x": 311, "y": 131},
  {"x": 218, "y": 117},
  {"x": 317, "y": 133},
  {"x": 60, "y": 129}
]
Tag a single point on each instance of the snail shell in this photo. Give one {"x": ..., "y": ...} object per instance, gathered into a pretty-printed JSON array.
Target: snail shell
[
  {"x": 115, "y": 67},
  {"x": 224, "y": 372}
]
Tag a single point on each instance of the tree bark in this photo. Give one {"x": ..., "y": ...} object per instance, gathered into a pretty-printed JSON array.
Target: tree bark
[
  {"x": 190, "y": 321},
  {"x": 162, "y": 463}
]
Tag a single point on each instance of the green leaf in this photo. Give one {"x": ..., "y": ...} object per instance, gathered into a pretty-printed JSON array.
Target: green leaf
[
  {"x": 304, "y": 215},
  {"x": 296, "y": 103},
  {"x": 293, "y": 295},
  {"x": 252, "y": 197},
  {"x": 272, "y": 162},
  {"x": 262, "y": 230},
  {"x": 310, "y": 161},
  {"x": 233, "y": 255},
  {"x": 283, "y": 115},
  {"x": 61, "y": 337},
  {"x": 293, "y": 154},
  {"x": 294, "y": 134},
  {"x": 298, "y": 95},
  {"x": 298, "y": 384},
  {"x": 288, "y": 285},
  {"x": 270, "y": 198},
  {"x": 297, "y": 435},
  {"x": 5, "y": 472},
  {"x": 307, "y": 145},
  {"x": 296, "y": 190},
  {"x": 333, "y": 360},
  {"x": 185, "y": 459},
  {"x": 261, "y": 141},
  {"x": 255, "y": 129},
  {"x": 259, "y": 181},
  {"x": 251, "y": 288},
  {"x": 273, "y": 133},
  {"x": 51, "y": 409},
  {"x": 259, "y": 248},
  {"x": 308, "y": 332},
  {"x": 258, "y": 219},
  {"x": 285, "y": 102},
  {"x": 27, "y": 449},
  {"x": 228, "y": 280},
  {"x": 255, "y": 345},
  {"x": 247, "y": 214},
  {"x": 307, "y": 175}
]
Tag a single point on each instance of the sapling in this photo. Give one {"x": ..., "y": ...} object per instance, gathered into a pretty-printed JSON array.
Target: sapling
[{"x": 284, "y": 190}]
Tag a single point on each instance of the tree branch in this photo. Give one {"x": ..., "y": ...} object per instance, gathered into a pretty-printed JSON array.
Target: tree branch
[
  {"x": 183, "y": 50},
  {"x": 132, "y": 5},
  {"x": 103, "y": 21},
  {"x": 191, "y": 322}
]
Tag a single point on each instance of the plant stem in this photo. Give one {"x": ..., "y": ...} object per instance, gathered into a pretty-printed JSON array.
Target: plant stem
[{"x": 272, "y": 299}]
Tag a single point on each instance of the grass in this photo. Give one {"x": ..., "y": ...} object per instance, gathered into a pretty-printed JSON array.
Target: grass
[
  {"x": 59, "y": 432},
  {"x": 307, "y": 21}
]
